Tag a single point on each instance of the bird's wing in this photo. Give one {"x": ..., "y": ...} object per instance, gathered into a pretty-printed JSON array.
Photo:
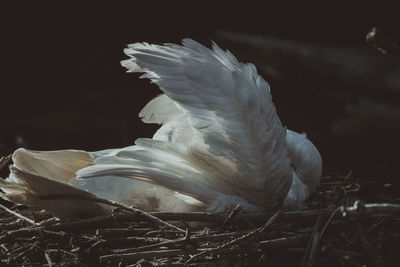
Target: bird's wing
[
  {"x": 230, "y": 107},
  {"x": 175, "y": 123},
  {"x": 193, "y": 181},
  {"x": 161, "y": 163}
]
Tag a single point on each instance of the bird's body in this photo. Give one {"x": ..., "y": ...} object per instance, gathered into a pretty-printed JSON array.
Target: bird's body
[{"x": 220, "y": 144}]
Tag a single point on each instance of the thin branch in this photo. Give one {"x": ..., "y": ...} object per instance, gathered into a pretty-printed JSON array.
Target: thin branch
[
  {"x": 369, "y": 251},
  {"x": 181, "y": 241},
  {"x": 144, "y": 254},
  {"x": 231, "y": 216},
  {"x": 284, "y": 241},
  {"x": 370, "y": 210},
  {"x": 121, "y": 206},
  {"x": 16, "y": 214},
  {"x": 130, "y": 240},
  {"x": 329, "y": 221},
  {"x": 315, "y": 241},
  {"x": 307, "y": 253},
  {"x": 48, "y": 259},
  {"x": 258, "y": 218},
  {"x": 87, "y": 223},
  {"x": 246, "y": 237}
]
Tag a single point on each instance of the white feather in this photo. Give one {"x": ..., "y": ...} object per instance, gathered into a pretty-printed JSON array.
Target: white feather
[
  {"x": 220, "y": 144},
  {"x": 229, "y": 107}
]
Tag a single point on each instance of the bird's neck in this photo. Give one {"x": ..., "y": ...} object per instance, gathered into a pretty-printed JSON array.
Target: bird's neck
[
  {"x": 305, "y": 159},
  {"x": 297, "y": 194}
]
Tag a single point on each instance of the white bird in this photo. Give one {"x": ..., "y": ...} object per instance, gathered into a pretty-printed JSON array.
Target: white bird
[{"x": 220, "y": 144}]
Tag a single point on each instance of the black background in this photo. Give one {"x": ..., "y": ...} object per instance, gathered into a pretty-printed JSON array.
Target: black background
[{"x": 62, "y": 85}]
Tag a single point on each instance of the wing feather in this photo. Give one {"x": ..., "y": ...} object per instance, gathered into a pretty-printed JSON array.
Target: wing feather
[{"x": 228, "y": 104}]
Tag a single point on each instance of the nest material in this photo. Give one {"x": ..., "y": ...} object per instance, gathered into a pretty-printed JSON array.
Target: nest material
[{"x": 337, "y": 229}]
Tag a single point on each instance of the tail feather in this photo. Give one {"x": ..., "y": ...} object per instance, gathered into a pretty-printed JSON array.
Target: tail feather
[
  {"x": 60, "y": 165},
  {"x": 50, "y": 180},
  {"x": 33, "y": 190}
]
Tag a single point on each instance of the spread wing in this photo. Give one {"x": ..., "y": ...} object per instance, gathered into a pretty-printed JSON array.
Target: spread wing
[{"x": 228, "y": 109}]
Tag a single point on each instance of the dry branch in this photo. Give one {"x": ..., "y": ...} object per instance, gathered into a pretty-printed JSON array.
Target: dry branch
[
  {"x": 243, "y": 238},
  {"x": 131, "y": 210},
  {"x": 370, "y": 210},
  {"x": 31, "y": 222}
]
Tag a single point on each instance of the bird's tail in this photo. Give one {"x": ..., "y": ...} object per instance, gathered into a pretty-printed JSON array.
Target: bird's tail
[
  {"x": 42, "y": 179},
  {"x": 50, "y": 180}
]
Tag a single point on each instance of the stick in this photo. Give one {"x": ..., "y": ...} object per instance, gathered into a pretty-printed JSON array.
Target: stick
[
  {"x": 231, "y": 216},
  {"x": 130, "y": 240},
  {"x": 86, "y": 223},
  {"x": 370, "y": 210},
  {"x": 48, "y": 259},
  {"x": 284, "y": 241},
  {"x": 144, "y": 254},
  {"x": 315, "y": 241},
  {"x": 16, "y": 214},
  {"x": 180, "y": 241},
  {"x": 132, "y": 210},
  {"x": 40, "y": 230},
  {"x": 328, "y": 222},
  {"x": 311, "y": 250},
  {"x": 370, "y": 253},
  {"x": 219, "y": 218},
  {"x": 246, "y": 237}
]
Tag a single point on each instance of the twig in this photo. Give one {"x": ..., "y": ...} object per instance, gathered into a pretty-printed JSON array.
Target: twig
[
  {"x": 48, "y": 259},
  {"x": 187, "y": 234},
  {"x": 370, "y": 210},
  {"x": 283, "y": 241},
  {"x": 219, "y": 218},
  {"x": 328, "y": 221},
  {"x": 315, "y": 240},
  {"x": 380, "y": 221},
  {"x": 383, "y": 43},
  {"x": 246, "y": 237},
  {"x": 121, "y": 206},
  {"x": 369, "y": 251},
  {"x": 311, "y": 250},
  {"x": 162, "y": 231},
  {"x": 85, "y": 223},
  {"x": 231, "y": 216},
  {"x": 128, "y": 241},
  {"x": 113, "y": 232},
  {"x": 16, "y": 214},
  {"x": 40, "y": 230},
  {"x": 26, "y": 251},
  {"x": 144, "y": 254},
  {"x": 180, "y": 241}
]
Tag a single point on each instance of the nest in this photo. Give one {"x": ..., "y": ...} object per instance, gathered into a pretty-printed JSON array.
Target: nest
[{"x": 338, "y": 228}]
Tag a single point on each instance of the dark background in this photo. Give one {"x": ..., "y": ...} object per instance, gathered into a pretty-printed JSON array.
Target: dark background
[{"x": 62, "y": 85}]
